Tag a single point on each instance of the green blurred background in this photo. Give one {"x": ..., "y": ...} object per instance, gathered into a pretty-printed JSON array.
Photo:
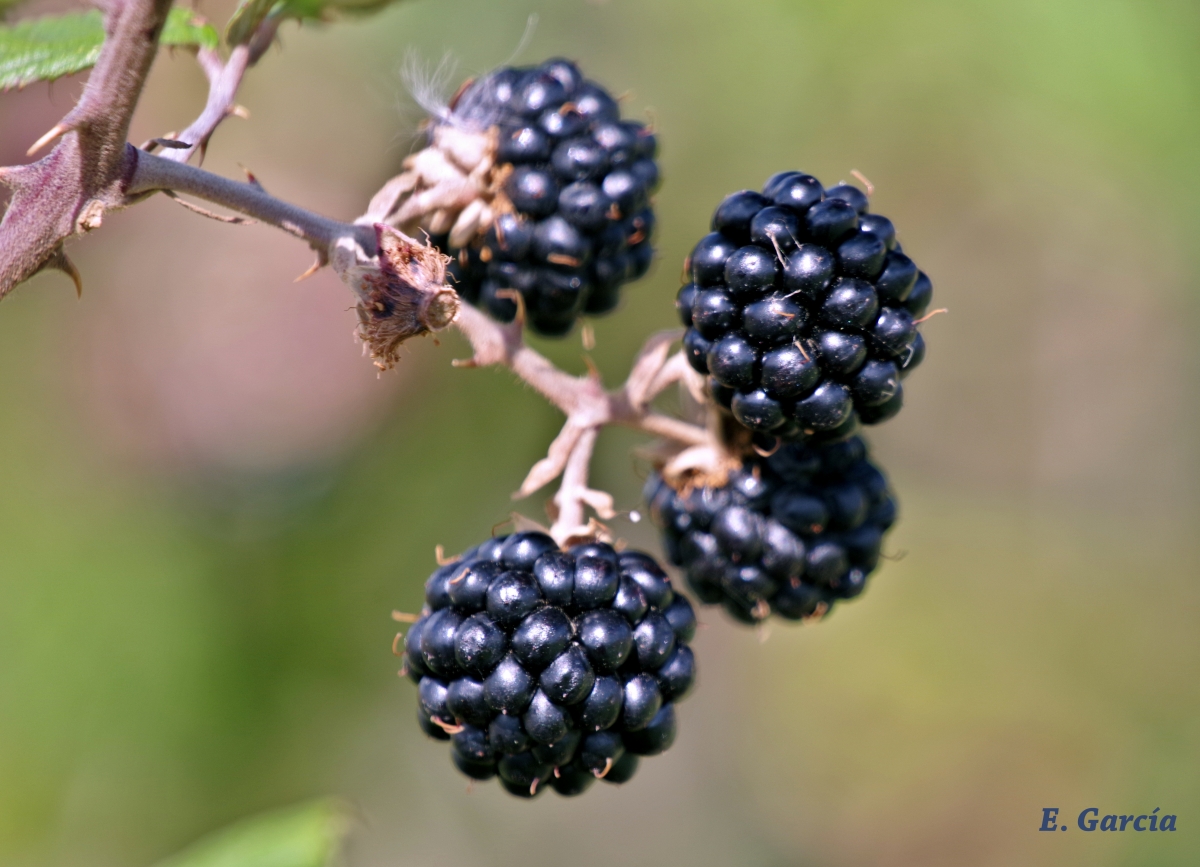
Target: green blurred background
[{"x": 211, "y": 503}]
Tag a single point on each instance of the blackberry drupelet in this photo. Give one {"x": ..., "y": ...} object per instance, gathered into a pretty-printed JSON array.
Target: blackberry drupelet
[
  {"x": 549, "y": 667},
  {"x": 572, "y": 216},
  {"x": 791, "y": 533},
  {"x": 802, "y": 310}
]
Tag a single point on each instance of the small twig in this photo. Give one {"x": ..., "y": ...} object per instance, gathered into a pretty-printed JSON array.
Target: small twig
[{"x": 224, "y": 79}]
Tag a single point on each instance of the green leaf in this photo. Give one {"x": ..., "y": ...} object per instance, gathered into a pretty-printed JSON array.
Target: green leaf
[
  {"x": 43, "y": 49},
  {"x": 246, "y": 18},
  {"x": 324, "y": 9},
  {"x": 308, "y": 835},
  {"x": 251, "y": 13},
  {"x": 185, "y": 27}
]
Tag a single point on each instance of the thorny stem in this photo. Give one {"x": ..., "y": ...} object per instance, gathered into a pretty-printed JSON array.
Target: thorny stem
[
  {"x": 322, "y": 233},
  {"x": 588, "y": 407},
  {"x": 91, "y": 169},
  {"x": 67, "y": 192}
]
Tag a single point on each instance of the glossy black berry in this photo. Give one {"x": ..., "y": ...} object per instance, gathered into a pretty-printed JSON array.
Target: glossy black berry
[
  {"x": 630, "y": 601},
  {"x": 875, "y": 383},
  {"x": 709, "y": 257},
  {"x": 886, "y": 410},
  {"x": 794, "y": 190},
  {"x": 861, "y": 256},
  {"x": 912, "y": 356},
  {"x": 850, "y": 304},
  {"x": 602, "y": 707},
  {"x": 897, "y": 279},
  {"x": 841, "y": 354},
  {"x": 479, "y": 644},
  {"x": 537, "y": 663},
  {"x": 607, "y": 638},
  {"x": 713, "y": 312},
  {"x": 438, "y": 642},
  {"x": 533, "y": 191},
  {"x": 893, "y": 332},
  {"x": 789, "y": 372},
  {"x": 677, "y": 674},
  {"x": 830, "y": 222},
  {"x": 879, "y": 226},
  {"x": 579, "y": 159},
  {"x": 808, "y": 271},
  {"x": 826, "y": 408},
  {"x": 511, "y": 596},
  {"x": 776, "y": 229},
  {"x": 851, "y": 195},
  {"x": 795, "y": 290},
  {"x": 732, "y": 217},
  {"x": 757, "y": 410},
  {"x": 653, "y": 641},
  {"x": 524, "y": 144},
  {"x": 567, "y": 156},
  {"x": 541, "y": 637},
  {"x": 545, "y": 721},
  {"x": 509, "y": 687},
  {"x": 467, "y": 701},
  {"x": 642, "y": 701},
  {"x": 732, "y": 360},
  {"x": 918, "y": 299},
  {"x": 656, "y": 737},
  {"x": 644, "y": 571},
  {"x": 750, "y": 272},
  {"x": 791, "y": 533},
  {"x": 695, "y": 349}
]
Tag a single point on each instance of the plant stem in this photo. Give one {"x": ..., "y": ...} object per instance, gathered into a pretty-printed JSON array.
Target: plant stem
[{"x": 154, "y": 173}]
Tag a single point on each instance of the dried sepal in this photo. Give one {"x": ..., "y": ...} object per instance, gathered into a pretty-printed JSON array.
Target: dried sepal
[
  {"x": 402, "y": 294},
  {"x": 592, "y": 531},
  {"x": 699, "y": 467},
  {"x": 452, "y": 186}
]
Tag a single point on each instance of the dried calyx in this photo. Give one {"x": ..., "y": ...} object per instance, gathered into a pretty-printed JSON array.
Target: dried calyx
[{"x": 401, "y": 295}]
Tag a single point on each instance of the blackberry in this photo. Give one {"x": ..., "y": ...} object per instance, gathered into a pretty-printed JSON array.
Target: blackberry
[
  {"x": 550, "y": 667},
  {"x": 791, "y": 533},
  {"x": 802, "y": 310},
  {"x": 568, "y": 218}
]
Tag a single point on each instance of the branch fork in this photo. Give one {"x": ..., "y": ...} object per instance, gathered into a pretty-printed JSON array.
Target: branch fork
[{"x": 588, "y": 407}]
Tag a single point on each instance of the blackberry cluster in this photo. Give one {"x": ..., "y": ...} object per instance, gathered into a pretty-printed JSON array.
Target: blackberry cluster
[
  {"x": 791, "y": 533},
  {"x": 549, "y": 666},
  {"x": 801, "y": 310},
  {"x": 580, "y": 187}
]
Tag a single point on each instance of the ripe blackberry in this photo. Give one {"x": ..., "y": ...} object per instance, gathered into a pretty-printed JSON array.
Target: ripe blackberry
[
  {"x": 802, "y": 310},
  {"x": 550, "y": 667},
  {"x": 791, "y": 533},
  {"x": 532, "y": 182}
]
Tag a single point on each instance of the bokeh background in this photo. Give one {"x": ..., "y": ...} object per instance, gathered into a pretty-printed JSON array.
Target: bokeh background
[{"x": 211, "y": 502}]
